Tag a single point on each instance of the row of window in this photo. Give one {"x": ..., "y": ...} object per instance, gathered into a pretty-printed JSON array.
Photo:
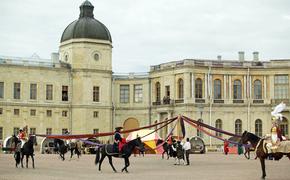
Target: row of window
[
  {"x": 280, "y": 89},
  {"x": 33, "y": 88},
  {"x": 33, "y": 131},
  {"x": 239, "y": 129},
  {"x": 125, "y": 93},
  {"x": 48, "y": 92},
  {"x": 64, "y": 113},
  {"x": 16, "y": 112}
]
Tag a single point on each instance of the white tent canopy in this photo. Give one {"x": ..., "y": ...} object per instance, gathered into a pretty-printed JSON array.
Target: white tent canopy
[{"x": 141, "y": 133}]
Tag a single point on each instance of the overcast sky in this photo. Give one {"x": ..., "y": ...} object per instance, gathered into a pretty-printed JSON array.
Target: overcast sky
[{"x": 150, "y": 32}]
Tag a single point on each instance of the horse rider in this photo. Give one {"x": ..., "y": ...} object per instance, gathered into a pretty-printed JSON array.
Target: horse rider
[
  {"x": 117, "y": 139},
  {"x": 276, "y": 136},
  {"x": 275, "y": 130},
  {"x": 22, "y": 136},
  {"x": 68, "y": 141}
]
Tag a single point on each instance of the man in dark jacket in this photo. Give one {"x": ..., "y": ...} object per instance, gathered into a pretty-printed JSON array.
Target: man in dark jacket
[{"x": 117, "y": 139}]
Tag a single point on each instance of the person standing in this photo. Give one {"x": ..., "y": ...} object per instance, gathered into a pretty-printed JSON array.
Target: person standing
[
  {"x": 179, "y": 153},
  {"x": 226, "y": 147},
  {"x": 187, "y": 147}
]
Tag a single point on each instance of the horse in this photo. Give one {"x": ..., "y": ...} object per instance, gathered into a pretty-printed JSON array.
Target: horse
[
  {"x": 75, "y": 147},
  {"x": 258, "y": 144},
  {"x": 166, "y": 148},
  {"x": 60, "y": 147},
  {"x": 126, "y": 151},
  {"x": 27, "y": 150},
  {"x": 247, "y": 152}
]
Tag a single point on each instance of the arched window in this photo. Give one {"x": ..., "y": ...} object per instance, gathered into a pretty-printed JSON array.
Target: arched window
[
  {"x": 258, "y": 127},
  {"x": 238, "y": 127},
  {"x": 257, "y": 89},
  {"x": 198, "y": 132},
  {"x": 180, "y": 88},
  {"x": 237, "y": 89},
  {"x": 284, "y": 127},
  {"x": 218, "y": 125},
  {"x": 217, "y": 89},
  {"x": 157, "y": 88},
  {"x": 198, "y": 88}
]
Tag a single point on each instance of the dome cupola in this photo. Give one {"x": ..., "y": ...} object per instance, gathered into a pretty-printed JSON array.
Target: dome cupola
[{"x": 86, "y": 26}]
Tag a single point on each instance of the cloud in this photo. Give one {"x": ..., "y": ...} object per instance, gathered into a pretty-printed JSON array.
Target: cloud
[{"x": 149, "y": 32}]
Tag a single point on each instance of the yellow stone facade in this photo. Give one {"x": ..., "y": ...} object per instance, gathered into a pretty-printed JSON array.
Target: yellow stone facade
[{"x": 85, "y": 67}]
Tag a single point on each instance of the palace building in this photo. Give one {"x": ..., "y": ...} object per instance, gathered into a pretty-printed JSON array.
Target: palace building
[{"x": 78, "y": 91}]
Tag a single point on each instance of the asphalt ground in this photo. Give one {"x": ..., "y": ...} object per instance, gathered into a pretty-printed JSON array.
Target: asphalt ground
[{"x": 209, "y": 166}]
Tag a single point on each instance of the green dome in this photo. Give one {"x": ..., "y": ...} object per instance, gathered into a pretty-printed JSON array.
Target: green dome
[{"x": 86, "y": 26}]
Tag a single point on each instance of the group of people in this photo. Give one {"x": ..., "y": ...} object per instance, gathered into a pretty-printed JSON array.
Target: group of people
[{"x": 180, "y": 151}]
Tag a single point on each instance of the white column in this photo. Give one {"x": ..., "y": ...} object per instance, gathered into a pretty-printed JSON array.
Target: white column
[
  {"x": 186, "y": 87},
  {"x": 205, "y": 86},
  {"x": 245, "y": 87},
  {"x": 265, "y": 87},
  {"x": 250, "y": 87},
  {"x": 225, "y": 87},
  {"x": 192, "y": 86},
  {"x": 271, "y": 83},
  {"x": 230, "y": 87}
]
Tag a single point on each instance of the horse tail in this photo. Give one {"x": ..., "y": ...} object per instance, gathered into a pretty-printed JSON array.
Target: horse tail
[{"x": 97, "y": 155}]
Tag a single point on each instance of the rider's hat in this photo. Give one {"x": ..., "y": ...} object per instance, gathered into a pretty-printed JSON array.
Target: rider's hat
[
  {"x": 20, "y": 129},
  {"x": 118, "y": 128}
]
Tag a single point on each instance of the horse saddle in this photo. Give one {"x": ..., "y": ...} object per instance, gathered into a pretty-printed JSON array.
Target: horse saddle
[{"x": 110, "y": 149}]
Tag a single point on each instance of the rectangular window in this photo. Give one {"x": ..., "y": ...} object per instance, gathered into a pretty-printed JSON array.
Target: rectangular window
[
  {"x": 1, "y": 132},
  {"x": 96, "y": 131},
  {"x": 64, "y": 130},
  {"x": 48, "y": 131},
  {"x": 16, "y": 112},
  {"x": 281, "y": 86},
  {"x": 124, "y": 93},
  {"x": 1, "y": 111},
  {"x": 96, "y": 114},
  {"x": 1, "y": 89},
  {"x": 33, "y": 91},
  {"x": 64, "y": 113},
  {"x": 96, "y": 94},
  {"x": 167, "y": 91},
  {"x": 64, "y": 93},
  {"x": 16, "y": 93},
  {"x": 32, "y": 131},
  {"x": 48, "y": 113},
  {"x": 138, "y": 93},
  {"x": 32, "y": 112},
  {"x": 15, "y": 130},
  {"x": 49, "y": 92}
]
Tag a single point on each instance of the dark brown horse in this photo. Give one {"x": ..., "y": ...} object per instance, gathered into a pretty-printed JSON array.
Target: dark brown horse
[
  {"x": 258, "y": 143},
  {"x": 127, "y": 149},
  {"x": 27, "y": 150}
]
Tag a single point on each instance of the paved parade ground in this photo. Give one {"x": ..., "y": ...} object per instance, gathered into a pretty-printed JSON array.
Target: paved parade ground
[{"x": 210, "y": 166}]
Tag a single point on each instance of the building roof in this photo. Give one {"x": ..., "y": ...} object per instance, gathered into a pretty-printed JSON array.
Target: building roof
[{"x": 86, "y": 26}]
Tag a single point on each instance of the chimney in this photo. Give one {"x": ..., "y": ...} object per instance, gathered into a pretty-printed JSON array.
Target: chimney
[
  {"x": 255, "y": 56},
  {"x": 54, "y": 57},
  {"x": 241, "y": 55},
  {"x": 219, "y": 57}
]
